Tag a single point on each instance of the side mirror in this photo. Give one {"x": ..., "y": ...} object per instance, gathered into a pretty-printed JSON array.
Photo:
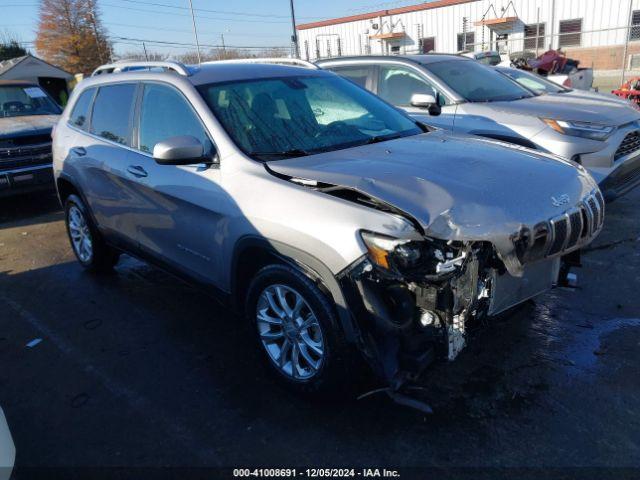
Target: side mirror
[
  {"x": 422, "y": 100},
  {"x": 183, "y": 150}
]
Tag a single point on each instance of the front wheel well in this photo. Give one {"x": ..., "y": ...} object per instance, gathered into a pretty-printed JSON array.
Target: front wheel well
[
  {"x": 66, "y": 188},
  {"x": 251, "y": 260}
]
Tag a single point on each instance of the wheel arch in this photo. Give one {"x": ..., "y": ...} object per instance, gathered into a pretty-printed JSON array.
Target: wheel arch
[{"x": 262, "y": 252}]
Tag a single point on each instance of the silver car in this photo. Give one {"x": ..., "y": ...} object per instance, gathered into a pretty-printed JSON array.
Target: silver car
[
  {"x": 462, "y": 95},
  {"x": 334, "y": 222},
  {"x": 541, "y": 86}
]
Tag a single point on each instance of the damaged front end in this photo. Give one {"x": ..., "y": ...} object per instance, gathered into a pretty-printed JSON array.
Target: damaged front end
[{"x": 414, "y": 301}]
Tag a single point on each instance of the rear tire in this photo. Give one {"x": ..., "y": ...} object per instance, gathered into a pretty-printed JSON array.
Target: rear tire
[
  {"x": 297, "y": 330},
  {"x": 86, "y": 242}
]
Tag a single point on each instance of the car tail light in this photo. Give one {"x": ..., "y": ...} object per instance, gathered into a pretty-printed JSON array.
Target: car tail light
[{"x": 567, "y": 83}]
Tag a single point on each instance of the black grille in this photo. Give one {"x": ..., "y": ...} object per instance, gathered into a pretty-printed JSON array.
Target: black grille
[
  {"x": 596, "y": 213},
  {"x": 630, "y": 144},
  {"x": 24, "y": 141},
  {"x": 625, "y": 179},
  {"x": 559, "y": 235},
  {"x": 27, "y": 156},
  {"x": 575, "y": 220},
  {"x": 585, "y": 222}
]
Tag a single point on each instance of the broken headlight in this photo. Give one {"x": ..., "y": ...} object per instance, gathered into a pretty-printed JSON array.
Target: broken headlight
[
  {"x": 411, "y": 257},
  {"x": 391, "y": 253}
]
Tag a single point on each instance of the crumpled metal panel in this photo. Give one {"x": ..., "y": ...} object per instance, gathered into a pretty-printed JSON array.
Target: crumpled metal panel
[{"x": 457, "y": 187}]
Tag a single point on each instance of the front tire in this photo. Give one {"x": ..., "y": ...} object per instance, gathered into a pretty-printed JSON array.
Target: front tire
[
  {"x": 86, "y": 242},
  {"x": 297, "y": 329}
]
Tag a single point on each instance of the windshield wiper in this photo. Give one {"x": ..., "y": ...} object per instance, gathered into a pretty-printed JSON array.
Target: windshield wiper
[
  {"x": 294, "y": 152},
  {"x": 382, "y": 138}
]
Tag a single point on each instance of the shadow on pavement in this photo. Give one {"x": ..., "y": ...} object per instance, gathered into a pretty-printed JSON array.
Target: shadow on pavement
[{"x": 29, "y": 209}]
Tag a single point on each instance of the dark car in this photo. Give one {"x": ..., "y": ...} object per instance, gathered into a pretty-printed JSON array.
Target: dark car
[{"x": 27, "y": 116}]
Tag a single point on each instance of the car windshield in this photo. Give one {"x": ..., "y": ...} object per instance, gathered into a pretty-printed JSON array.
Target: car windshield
[
  {"x": 489, "y": 59},
  {"x": 18, "y": 100},
  {"x": 476, "y": 82},
  {"x": 532, "y": 81},
  {"x": 295, "y": 116}
]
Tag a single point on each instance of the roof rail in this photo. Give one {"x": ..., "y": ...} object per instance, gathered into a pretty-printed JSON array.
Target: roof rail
[
  {"x": 129, "y": 65},
  {"x": 278, "y": 61}
]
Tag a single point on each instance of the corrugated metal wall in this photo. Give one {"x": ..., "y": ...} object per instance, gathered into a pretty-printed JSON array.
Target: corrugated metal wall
[{"x": 445, "y": 23}]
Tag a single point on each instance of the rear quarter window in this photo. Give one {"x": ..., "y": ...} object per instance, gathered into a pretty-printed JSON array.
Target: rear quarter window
[
  {"x": 111, "y": 116},
  {"x": 80, "y": 114}
]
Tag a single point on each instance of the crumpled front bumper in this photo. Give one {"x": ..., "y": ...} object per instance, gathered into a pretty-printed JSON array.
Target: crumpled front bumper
[{"x": 404, "y": 325}]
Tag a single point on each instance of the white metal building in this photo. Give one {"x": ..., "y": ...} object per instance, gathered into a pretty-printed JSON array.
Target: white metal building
[{"x": 586, "y": 29}]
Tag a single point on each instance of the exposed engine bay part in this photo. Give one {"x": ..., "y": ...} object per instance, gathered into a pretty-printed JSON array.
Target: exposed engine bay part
[{"x": 408, "y": 318}]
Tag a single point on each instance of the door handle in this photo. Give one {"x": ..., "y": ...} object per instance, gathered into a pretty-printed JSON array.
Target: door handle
[
  {"x": 137, "y": 171},
  {"x": 79, "y": 151}
]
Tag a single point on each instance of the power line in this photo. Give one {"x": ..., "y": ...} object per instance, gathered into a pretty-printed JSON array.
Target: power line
[
  {"x": 224, "y": 12},
  {"x": 186, "y": 44},
  {"x": 199, "y": 17}
]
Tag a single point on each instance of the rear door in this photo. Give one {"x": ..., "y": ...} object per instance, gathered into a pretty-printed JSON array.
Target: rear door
[
  {"x": 180, "y": 216},
  {"x": 362, "y": 75},
  {"x": 397, "y": 83},
  {"x": 103, "y": 154}
]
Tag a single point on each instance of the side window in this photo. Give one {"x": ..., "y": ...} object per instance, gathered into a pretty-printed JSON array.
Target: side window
[
  {"x": 112, "y": 112},
  {"x": 357, "y": 75},
  {"x": 80, "y": 113},
  {"x": 397, "y": 84},
  {"x": 165, "y": 113}
]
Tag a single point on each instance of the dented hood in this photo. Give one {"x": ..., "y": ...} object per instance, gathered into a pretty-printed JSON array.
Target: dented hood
[{"x": 457, "y": 187}]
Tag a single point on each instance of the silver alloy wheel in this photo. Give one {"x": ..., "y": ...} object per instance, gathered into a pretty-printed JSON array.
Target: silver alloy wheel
[
  {"x": 290, "y": 332},
  {"x": 80, "y": 234}
]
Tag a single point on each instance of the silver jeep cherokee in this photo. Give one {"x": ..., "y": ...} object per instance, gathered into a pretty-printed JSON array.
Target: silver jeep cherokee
[{"x": 336, "y": 223}]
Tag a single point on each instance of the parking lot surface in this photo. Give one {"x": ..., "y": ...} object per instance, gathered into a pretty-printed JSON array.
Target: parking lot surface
[{"x": 139, "y": 369}]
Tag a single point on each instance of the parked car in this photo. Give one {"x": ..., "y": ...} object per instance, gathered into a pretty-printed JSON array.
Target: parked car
[
  {"x": 541, "y": 85},
  {"x": 27, "y": 115},
  {"x": 461, "y": 95},
  {"x": 332, "y": 220},
  {"x": 488, "y": 57},
  {"x": 7, "y": 449}
]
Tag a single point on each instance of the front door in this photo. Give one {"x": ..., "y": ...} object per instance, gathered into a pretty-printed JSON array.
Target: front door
[
  {"x": 180, "y": 218},
  {"x": 398, "y": 83}
]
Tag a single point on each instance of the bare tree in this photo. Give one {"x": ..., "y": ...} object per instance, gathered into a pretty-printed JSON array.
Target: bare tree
[{"x": 10, "y": 46}]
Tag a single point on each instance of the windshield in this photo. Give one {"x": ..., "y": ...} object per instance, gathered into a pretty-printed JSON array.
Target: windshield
[
  {"x": 17, "y": 100},
  {"x": 532, "y": 81},
  {"x": 490, "y": 60},
  {"x": 294, "y": 116},
  {"x": 476, "y": 82}
]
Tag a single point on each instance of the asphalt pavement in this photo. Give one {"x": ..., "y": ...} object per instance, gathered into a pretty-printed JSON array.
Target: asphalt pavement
[{"x": 138, "y": 369}]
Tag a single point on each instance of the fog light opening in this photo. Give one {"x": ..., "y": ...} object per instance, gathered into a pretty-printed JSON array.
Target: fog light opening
[{"x": 428, "y": 318}]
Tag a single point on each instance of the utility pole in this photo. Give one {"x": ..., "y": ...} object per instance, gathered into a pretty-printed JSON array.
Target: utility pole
[
  {"x": 195, "y": 32},
  {"x": 627, "y": 32},
  {"x": 144, "y": 47},
  {"x": 294, "y": 36}
]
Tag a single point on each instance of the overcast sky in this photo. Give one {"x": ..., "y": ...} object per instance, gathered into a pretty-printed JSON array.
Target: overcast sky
[{"x": 243, "y": 22}]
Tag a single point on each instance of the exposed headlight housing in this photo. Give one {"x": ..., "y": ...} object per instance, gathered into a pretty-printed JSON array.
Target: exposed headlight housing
[
  {"x": 392, "y": 254},
  {"x": 410, "y": 257},
  {"x": 592, "y": 131}
]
